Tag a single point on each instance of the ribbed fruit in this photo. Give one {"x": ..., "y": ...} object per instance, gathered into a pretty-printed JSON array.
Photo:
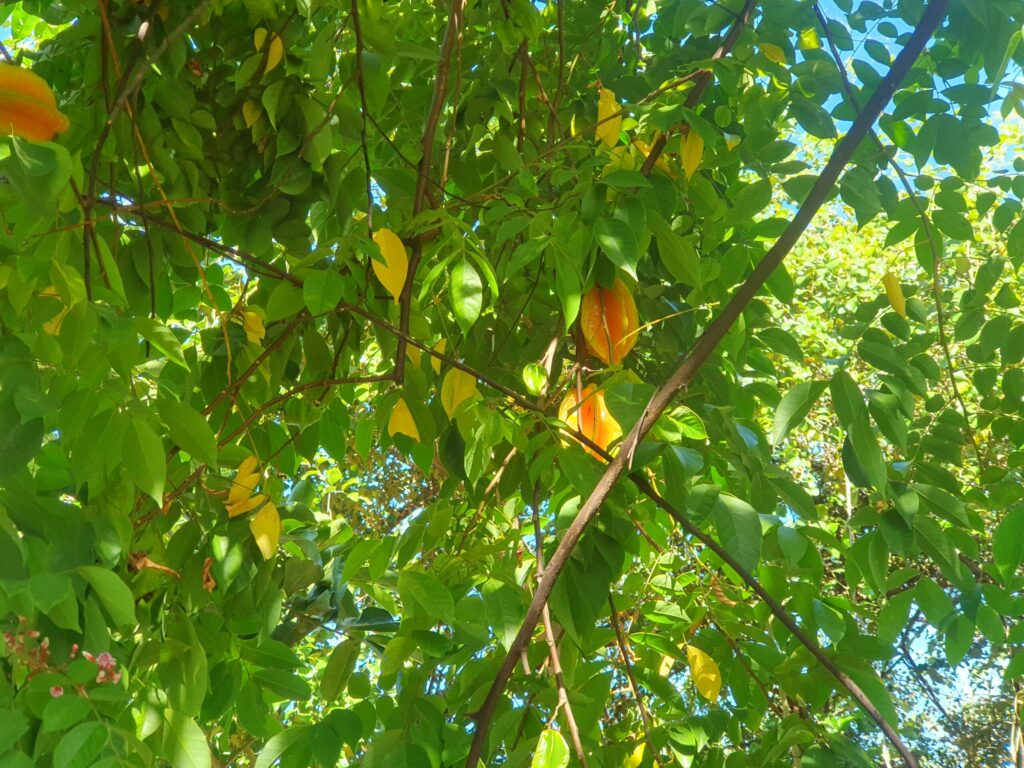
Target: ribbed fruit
[
  {"x": 591, "y": 417},
  {"x": 27, "y": 105},
  {"x": 609, "y": 322}
]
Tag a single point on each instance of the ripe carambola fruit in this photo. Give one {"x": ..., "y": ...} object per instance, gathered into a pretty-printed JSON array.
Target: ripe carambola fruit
[
  {"x": 609, "y": 322},
  {"x": 591, "y": 417},
  {"x": 27, "y": 105}
]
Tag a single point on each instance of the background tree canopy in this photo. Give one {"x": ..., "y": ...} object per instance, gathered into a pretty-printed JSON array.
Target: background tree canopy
[{"x": 459, "y": 383}]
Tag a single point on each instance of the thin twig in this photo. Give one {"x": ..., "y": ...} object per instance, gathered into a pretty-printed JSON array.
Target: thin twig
[
  {"x": 623, "y": 644},
  {"x": 926, "y": 225},
  {"x": 703, "y": 80},
  {"x": 549, "y": 636},
  {"x": 452, "y": 32}
]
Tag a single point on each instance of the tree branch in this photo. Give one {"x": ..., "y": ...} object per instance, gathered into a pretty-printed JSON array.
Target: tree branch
[
  {"x": 681, "y": 379},
  {"x": 452, "y": 32},
  {"x": 703, "y": 79}
]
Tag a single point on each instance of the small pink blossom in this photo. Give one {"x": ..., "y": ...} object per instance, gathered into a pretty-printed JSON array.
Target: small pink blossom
[
  {"x": 56, "y": 691},
  {"x": 74, "y": 650},
  {"x": 106, "y": 662},
  {"x": 116, "y": 678}
]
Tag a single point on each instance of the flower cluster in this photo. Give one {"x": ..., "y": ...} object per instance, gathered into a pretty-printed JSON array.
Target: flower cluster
[{"x": 25, "y": 647}]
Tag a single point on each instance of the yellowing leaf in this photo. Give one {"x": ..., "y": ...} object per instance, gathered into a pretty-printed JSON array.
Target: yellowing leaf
[
  {"x": 704, "y": 672},
  {"x": 435, "y": 362},
  {"x": 414, "y": 354},
  {"x": 276, "y": 52},
  {"x": 392, "y": 270},
  {"x": 645, "y": 149},
  {"x": 608, "y": 127},
  {"x": 667, "y": 662},
  {"x": 732, "y": 141},
  {"x": 636, "y": 757},
  {"x": 250, "y": 112},
  {"x": 572, "y": 126},
  {"x": 894, "y": 291},
  {"x": 246, "y": 479},
  {"x": 692, "y": 151},
  {"x": 259, "y": 37},
  {"x": 253, "y": 324},
  {"x": 401, "y": 422},
  {"x": 266, "y": 529},
  {"x": 773, "y": 52},
  {"x": 809, "y": 40},
  {"x": 457, "y": 387},
  {"x": 245, "y": 505}
]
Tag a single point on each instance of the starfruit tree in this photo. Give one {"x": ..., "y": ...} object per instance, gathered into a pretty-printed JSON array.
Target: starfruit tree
[{"x": 472, "y": 383}]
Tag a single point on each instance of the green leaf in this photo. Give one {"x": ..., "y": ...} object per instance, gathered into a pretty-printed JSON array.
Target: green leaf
[
  {"x": 113, "y": 593},
  {"x": 322, "y": 291},
  {"x": 163, "y": 338},
  {"x": 739, "y": 530},
  {"x": 794, "y": 407},
  {"x": 143, "y": 457},
  {"x": 339, "y": 667},
  {"x": 431, "y": 595},
  {"x": 80, "y": 746},
  {"x": 1008, "y": 543},
  {"x": 617, "y": 240},
  {"x": 551, "y": 751},
  {"x": 189, "y": 430},
  {"x": 285, "y": 300},
  {"x": 467, "y": 294},
  {"x": 64, "y": 711},
  {"x": 184, "y": 743},
  {"x": 292, "y": 738}
]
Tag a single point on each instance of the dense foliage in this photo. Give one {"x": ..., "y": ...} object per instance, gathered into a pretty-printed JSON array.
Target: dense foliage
[{"x": 319, "y": 320}]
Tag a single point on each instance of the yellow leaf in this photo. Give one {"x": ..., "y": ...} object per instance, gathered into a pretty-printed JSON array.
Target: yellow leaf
[
  {"x": 414, "y": 354},
  {"x": 608, "y": 127},
  {"x": 732, "y": 141},
  {"x": 692, "y": 151},
  {"x": 245, "y": 505},
  {"x": 894, "y": 291},
  {"x": 250, "y": 112},
  {"x": 266, "y": 529},
  {"x": 773, "y": 52},
  {"x": 276, "y": 52},
  {"x": 258, "y": 38},
  {"x": 660, "y": 163},
  {"x": 809, "y": 40},
  {"x": 435, "y": 362},
  {"x": 392, "y": 270},
  {"x": 457, "y": 387},
  {"x": 704, "y": 672},
  {"x": 253, "y": 324},
  {"x": 246, "y": 479},
  {"x": 401, "y": 422},
  {"x": 572, "y": 126},
  {"x": 667, "y": 662},
  {"x": 636, "y": 757}
]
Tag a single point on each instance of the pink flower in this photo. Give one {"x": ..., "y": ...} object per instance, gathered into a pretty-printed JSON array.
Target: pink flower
[
  {"x": 116, "y": 678},
  {"x": 56, "y": 691},
  {"x": 106, "y": 662},
  {"x": 74, "y": 650}
]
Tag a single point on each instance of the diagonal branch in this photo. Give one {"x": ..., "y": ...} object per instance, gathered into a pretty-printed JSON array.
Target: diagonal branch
[
  {"x": 703, "y": 79},
  {"x": 680, "y": 380}
]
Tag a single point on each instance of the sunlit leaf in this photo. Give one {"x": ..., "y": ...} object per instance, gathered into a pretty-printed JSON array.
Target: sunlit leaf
[
  {"x": 401, "y": 421},
  {"x": 395, "y": 265},
  {"x": 608, "y": 126},
  {"x": 266, "y": 529},
  {"x": 704, "y": 672}
]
